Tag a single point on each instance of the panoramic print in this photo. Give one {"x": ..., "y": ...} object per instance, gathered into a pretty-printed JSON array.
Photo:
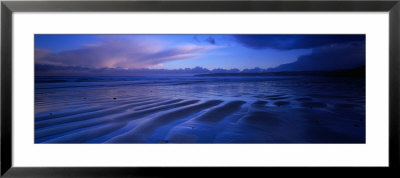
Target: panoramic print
[{"x": 199, "y": 88}]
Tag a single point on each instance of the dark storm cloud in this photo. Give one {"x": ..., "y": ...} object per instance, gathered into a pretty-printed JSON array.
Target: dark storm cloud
[
  {"x": 288, "y": 42},
  {"x": 331, "y": 57}
]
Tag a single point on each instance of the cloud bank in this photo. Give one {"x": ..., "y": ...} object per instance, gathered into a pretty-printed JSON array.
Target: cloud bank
[
  {"x": 332, "y": 57},
  {"x": 113, "y": 52},
  {"x": 329, "y": 52},
  {"x": 289, "y": 42}
]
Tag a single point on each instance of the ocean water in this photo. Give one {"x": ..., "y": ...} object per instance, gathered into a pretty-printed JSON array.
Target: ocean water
[{"x": 194, "y": 109}]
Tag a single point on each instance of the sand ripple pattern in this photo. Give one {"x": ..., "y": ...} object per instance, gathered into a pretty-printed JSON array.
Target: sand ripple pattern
[
  {"x": 175, "y": 120},
  {"x": 163, "y": 110}
]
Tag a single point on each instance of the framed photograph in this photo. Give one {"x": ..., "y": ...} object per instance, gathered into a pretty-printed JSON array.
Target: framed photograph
[{"x": 134, "y": 88}]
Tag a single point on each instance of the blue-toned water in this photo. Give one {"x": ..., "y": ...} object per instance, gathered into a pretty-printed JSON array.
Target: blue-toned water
[{"x": 194, "y": 109}]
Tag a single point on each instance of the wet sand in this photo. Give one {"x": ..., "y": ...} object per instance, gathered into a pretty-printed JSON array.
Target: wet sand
[{"x": 193, "y": 112}]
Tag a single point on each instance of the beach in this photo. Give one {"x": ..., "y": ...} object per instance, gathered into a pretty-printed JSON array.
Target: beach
[{"x": 200, "y": 109}]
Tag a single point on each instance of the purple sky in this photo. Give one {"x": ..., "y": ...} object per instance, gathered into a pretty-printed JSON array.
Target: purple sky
[{"x": 117, "y": 54}]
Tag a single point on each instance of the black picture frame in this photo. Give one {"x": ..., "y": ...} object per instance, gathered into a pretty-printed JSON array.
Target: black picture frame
[{"x": 8, "y": 7}]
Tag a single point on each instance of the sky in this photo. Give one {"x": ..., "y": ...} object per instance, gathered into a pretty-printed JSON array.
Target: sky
[{"x": 162, "y": 54}]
